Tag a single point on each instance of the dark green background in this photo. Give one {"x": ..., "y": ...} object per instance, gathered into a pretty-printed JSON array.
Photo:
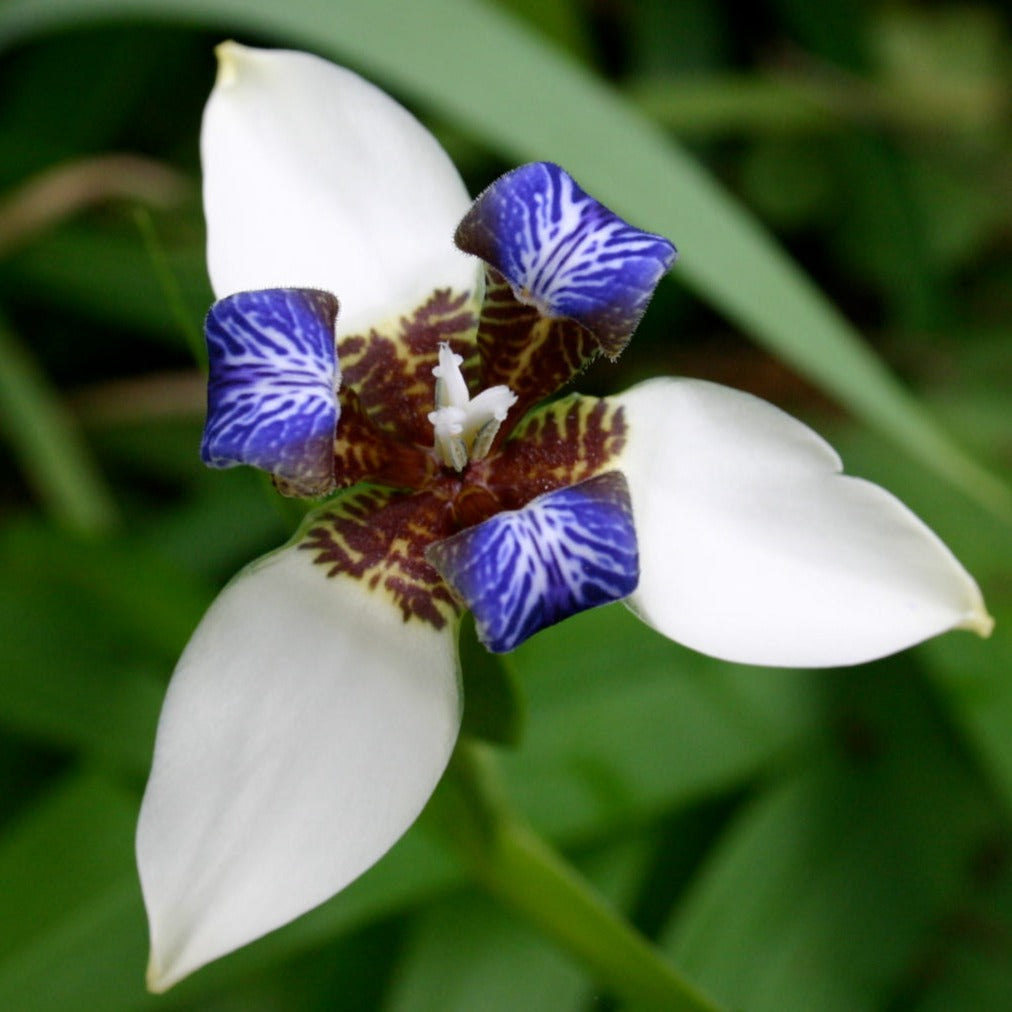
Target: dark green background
[{"x": 817, "y": 841}]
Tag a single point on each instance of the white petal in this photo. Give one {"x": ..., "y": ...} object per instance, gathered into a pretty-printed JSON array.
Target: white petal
[
  {"x": 314, "y": 178},
  {"x": 754, "y": 548},
  {"x": 305, "y": 727}
]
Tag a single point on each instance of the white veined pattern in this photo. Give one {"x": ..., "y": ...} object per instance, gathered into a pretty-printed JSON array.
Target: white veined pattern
[
  {"x": 272, "y": 390},
  {"x": 565, "y": 252},
  {"x": 564, "y": 552}
]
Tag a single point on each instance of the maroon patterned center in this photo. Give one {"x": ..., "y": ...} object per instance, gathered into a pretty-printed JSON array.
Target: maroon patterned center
[
  {"x": 533, "y": 355},
  {"x": 406, "y": 499},
  {"x": 391, "y": 375}
]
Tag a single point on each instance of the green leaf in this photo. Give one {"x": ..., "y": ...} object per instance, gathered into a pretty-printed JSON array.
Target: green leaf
[
  {"x": 824, "y": 892},
  {"x": 973, "y": 677},
  {"x": 88, "y": 634},
  {"x": 110, "y": 277},
  {"x": 971, "y": 674},
  {"x": 53, "y": 456},
  {"x": 559, "y": 20},
  {"x": 532, "y": 101},
  {"x": 973, "y": 970},
  {"x": 724, "y": 104},
  {"x": 467, "y": 953},
  {"x": 494, "y": 706},
  {"x": 73, "y": 932},
  {"x": 624, "y": 724},
  {"x": 79, "y": 940},
  {"x": 187, "y": 322},
  {"x": 531, "y": 879}
]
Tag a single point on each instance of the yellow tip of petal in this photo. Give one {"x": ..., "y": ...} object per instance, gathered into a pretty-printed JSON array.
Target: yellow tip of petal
[
  {"x": 228, "y": 53},
  {"x": 155, "y": 978},
  {"x": 979, "y": 622}
]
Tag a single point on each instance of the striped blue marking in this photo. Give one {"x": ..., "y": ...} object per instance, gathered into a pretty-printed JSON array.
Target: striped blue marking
[
  {"x": 272, "y": 388},
  {"x": 564, "y": 552},
  {"x": 565, "y": 252}
]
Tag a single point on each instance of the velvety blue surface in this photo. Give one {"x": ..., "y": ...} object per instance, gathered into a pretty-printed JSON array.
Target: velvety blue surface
[
  {"x": 564, "y": 552},
  {"x": 271, "y": 393},
  {"x": 566, "y": 252}
]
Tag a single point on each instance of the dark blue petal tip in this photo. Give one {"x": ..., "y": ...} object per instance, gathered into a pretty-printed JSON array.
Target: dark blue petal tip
[
  {"x": 272, "y": 388},
  {"x": 564, "y": 552},
  {"x": 566, "y": 253}
]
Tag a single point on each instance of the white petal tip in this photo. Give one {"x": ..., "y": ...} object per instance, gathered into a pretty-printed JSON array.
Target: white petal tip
[
  {"x": 979, "y": 622},
  {"x": 229, "y": 54},
  {"x": 157, "y": 980},
  {"x": 755, "y": 548},
  {"x": 305, "y": 727},
  {"x": 377, "y": 227}
]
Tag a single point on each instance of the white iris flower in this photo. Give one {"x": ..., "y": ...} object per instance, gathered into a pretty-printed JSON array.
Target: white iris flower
[{"x": 356, "y": 349}]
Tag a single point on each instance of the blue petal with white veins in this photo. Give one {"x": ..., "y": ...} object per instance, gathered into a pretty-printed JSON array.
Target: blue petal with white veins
[
  {"x": 564, "y": 552},
  {"x": 565, "y": 252},
  {"x": 272, "y": 389}
]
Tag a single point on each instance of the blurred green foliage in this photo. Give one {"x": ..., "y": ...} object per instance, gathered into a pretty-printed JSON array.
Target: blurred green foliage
[{"x": 794, "y": 840}]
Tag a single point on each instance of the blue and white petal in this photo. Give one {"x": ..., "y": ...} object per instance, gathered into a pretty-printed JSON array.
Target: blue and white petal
[
  {"x": 315, "y": 178},
  {"x": 304, "y": 729},
  {"x": 564, "y": 552},
  {"x": 565, "y": 253},
  {"x": 755, "y": 548},
  {"x": 272, "y": 388}
]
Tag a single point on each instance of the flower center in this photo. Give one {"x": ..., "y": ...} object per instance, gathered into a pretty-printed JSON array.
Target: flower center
[{"x": 464, "y": 427}]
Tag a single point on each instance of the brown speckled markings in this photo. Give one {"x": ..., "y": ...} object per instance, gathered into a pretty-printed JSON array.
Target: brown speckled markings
[
  {"x": 534, "y": 356},
  {"x": 378, "y": 533},
  {"x": 363, "y": 452},
  {"x": 557, "y": 445},
  {"x": 379, "y": 536},
  {"x": 391, "y": 372}
]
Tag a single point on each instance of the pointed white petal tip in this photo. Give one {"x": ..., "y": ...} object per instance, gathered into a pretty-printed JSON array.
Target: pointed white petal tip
[
  {"x": 229, "y": 55},
  {"x": 979, "y": 622},
  {"x": 305, "y": 728},
  {"x": 157, "y": 981},
  {"x": 314, "y": 178},
  {"x": 755, "y": 548}
]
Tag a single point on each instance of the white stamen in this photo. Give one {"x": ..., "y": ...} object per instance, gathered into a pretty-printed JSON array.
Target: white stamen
[
  {"x": 451, "y": 390},
  {"x": 464, "y": 428}
]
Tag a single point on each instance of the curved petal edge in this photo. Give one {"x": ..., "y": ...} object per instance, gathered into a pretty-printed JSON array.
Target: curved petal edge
[
  {"x": 755, "y": 548},
  {"x": 304, "y": 729},
  {"x": 315, "y": 178}
]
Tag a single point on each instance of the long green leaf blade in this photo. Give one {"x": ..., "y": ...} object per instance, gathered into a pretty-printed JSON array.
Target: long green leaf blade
[
  {"x": 528, "y": 100},
  {"x": 52, "y": 453}
]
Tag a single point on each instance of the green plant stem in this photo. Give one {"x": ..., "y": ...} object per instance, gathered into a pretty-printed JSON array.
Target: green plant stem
[
  {"x": 526, "y": 875},
  {"x": 53, "y": 457}
]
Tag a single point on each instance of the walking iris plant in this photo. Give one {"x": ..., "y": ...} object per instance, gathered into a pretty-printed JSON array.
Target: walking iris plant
[{"x": 317, "y": 704}]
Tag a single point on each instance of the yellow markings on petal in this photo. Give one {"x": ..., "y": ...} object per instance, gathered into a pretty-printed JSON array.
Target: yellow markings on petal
[
  {"x": 533, "y": 354},
  {"x": 378, "y": 537},
  {"x": 229, "y": 55},
  {"x": 574, "y": 438},
  {"x": 390, "y": 367},
  {"x": 558, "y": 444},
  {"x": 979, "y": 622}
]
